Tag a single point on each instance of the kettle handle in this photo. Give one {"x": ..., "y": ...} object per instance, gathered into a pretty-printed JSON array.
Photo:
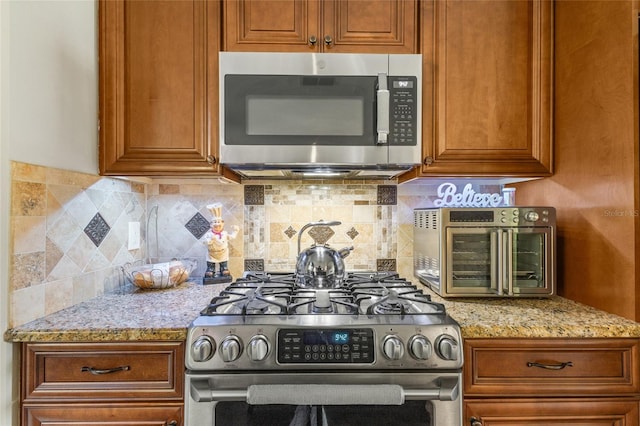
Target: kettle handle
[{"x": 319, "y": 223}]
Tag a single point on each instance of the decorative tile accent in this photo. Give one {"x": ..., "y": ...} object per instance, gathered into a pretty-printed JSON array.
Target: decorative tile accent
[
  {"x": 198, "y": 225},
  {"x": 321, "y": 234},
  {"x": 290, "y": 232},
  {"x": 387, "y": 195},
  {"x": 386, "y": 265},
  {"x": 254, "y": 195},
  {"x": 97, "y": 229},
  {"x": 352, "y": 233},
  {"x": 254, "y": 264}
]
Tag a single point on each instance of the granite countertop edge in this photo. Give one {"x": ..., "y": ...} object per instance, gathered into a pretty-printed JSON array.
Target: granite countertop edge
[{"x": 165, "y": 315}]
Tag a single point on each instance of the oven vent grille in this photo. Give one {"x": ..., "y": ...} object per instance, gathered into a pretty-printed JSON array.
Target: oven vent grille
[{"x": 426, "y": 219}]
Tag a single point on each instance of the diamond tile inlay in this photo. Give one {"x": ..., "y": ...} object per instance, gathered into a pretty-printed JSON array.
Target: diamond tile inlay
[
  {"x": 321, "y": 234},
  {"x": 198, "y": 225},
  {"x": 254, "y": 264},
  {"x": 254, "y": 195},
  {"x": 386, "y": 265},
  {"x": 387, "y": 195},
  {"x": 352, "y": 233},
  {"x": 290, "y": 232},
  {"x": 97, "y": 229}
]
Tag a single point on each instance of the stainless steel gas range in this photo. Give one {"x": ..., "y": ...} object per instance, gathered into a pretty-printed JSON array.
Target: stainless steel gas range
[{"x": 374, "y": 350}]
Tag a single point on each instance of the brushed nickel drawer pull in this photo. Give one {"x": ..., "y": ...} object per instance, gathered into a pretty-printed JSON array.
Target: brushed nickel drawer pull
[
  {"x": 560, "y": 366},
  {"x": 97, "y": 371}
]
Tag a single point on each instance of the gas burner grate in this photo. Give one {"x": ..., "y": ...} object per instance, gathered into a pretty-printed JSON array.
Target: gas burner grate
[
  {"x": 250, "y": 302},
  {"x": 323, "y": 302}
]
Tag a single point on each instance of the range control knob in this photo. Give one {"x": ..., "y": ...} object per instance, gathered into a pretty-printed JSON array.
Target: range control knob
[
  {"x": 447, "y": 347},
  {"x": 258, "y": 348},
  {"x": 203, "y": 349},
  {"x": 531, "y": 216},
  {"x": 230, "y": 348},
  {"x": 392, "y": 347},
  {"x": 420, "y": 347}
]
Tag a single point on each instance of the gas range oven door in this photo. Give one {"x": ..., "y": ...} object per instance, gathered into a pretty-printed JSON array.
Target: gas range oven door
[{"x": 324, "y": 399}]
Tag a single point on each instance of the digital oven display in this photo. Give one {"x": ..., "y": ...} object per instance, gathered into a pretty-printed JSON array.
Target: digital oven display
[
  {"x": 471, "y": 216},
  {"x": 326, "y": 337},
  {"x": 325, "y": 346}
]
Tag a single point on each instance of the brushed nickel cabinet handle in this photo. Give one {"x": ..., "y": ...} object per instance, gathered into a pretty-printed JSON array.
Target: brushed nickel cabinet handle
[
  {"x": 427, "y": 161},
  {"x": 211, "y": 159},
  {"x": 328, "y": 40},
  {"x": 97, "y": 371},
  {"x": 172, "y": 423},
  {"x": 475, "y": 422},
  {"x": 313, "y": 40},
  {"x": 560, "y": 366}
]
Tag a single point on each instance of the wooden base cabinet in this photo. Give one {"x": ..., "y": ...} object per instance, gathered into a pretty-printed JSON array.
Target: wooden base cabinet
[
  {"x": 511, "y": 382},
  {"x": 102, "y": 384}
]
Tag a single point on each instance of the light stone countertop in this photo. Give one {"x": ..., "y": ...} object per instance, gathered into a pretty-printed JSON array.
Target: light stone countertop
[
  {"x": 132, "y": 315},
  {"x": 165, "y": 315},
  {"x": 553, "y": 317}
]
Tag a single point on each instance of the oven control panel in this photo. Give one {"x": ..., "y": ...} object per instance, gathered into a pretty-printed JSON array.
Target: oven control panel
[{"x": 326, "y": 346}]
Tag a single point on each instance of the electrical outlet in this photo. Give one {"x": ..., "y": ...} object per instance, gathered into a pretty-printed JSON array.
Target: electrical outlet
[{"x": 134, "y": 235}]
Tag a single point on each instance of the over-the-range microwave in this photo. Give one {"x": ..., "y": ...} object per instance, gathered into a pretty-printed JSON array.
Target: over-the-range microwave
[
  {"x": 347, "y": 115},
  {"x": 486, "y": 252}
]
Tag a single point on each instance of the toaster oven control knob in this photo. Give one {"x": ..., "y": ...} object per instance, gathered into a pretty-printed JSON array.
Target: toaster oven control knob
[
  {"x": 258, "y": 348},
  {"x": 230, "y": 349},
  {"x": 420, "y": 347},
  {"x": 447, "y": 347},
  {"x": 531, "y": 216},
  {"x": 203, "y": 349},
  {"x": 392, "y": 347}
]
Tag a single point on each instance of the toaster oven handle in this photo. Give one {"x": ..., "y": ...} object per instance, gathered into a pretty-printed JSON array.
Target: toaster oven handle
[
  {"x": 508, "y": 267},
  {"x": 382, "y": 97},
  {"x": 497, "y": 279}
]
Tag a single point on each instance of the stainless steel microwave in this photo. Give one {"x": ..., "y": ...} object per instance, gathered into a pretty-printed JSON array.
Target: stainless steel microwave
[
  {"x": 486, "y": 252},
  {"x": 348, "y": 115}
]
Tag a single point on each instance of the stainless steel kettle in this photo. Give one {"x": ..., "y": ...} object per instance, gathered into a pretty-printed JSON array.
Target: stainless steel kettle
[{"x": 320, "y": 266}]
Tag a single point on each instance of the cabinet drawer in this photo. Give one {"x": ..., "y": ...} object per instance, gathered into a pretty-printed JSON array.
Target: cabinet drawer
[
  {"x": 557, "y": 367},
  {"x": 95, "y": 371},
  {"x": 553, "y": 412},
  {"x": 99, "y": 415}
]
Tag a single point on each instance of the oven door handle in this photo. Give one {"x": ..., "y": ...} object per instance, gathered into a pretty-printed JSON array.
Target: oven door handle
[{"x": 295, "y": 394}]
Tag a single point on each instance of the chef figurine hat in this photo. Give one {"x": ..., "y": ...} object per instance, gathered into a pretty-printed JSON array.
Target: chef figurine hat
[{"x": 216, "y": 211}]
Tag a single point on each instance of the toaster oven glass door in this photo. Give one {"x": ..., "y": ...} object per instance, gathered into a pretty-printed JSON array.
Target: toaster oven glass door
[{"x": 501, "y": 261}]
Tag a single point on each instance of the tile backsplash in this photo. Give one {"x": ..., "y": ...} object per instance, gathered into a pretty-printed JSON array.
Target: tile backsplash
[{"x": 69, "y": 231}]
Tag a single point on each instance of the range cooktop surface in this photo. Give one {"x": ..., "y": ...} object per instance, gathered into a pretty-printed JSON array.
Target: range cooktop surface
[{"x": 373, "y": 320}]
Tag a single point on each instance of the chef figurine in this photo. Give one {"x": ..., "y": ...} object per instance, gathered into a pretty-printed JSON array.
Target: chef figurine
[{"x": 217, "y": 241}]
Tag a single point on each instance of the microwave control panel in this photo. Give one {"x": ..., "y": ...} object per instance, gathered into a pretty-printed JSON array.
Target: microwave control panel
[{"x": 403, "y": 99}]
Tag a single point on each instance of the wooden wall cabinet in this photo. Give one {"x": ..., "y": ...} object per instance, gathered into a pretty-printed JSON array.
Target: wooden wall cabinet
[
  {"x": 158, "y": 71},
  {"x": 552, "y": 382},
  {"x": 339, "y": 26},
  {"x": 487, "y": 87},
  {"x": 102, "y": 383}
]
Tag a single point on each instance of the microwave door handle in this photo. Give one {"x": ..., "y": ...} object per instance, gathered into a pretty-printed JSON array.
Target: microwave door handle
[
  {"x": 496, "y": 261},
  {"x": 508, "y": 251},
  {"x": 382, "y": 97}
]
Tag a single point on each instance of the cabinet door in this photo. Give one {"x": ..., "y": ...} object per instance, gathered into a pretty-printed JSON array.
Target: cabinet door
[
  {"x": 158, "y": 87},
  {"x": 96, "y": 415},
  {"x": 375, "y": 26},
  {"x": 564, "y": 412},
  {"x": 487, "y": 87},
  {"x": 340, "y": 26}
]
